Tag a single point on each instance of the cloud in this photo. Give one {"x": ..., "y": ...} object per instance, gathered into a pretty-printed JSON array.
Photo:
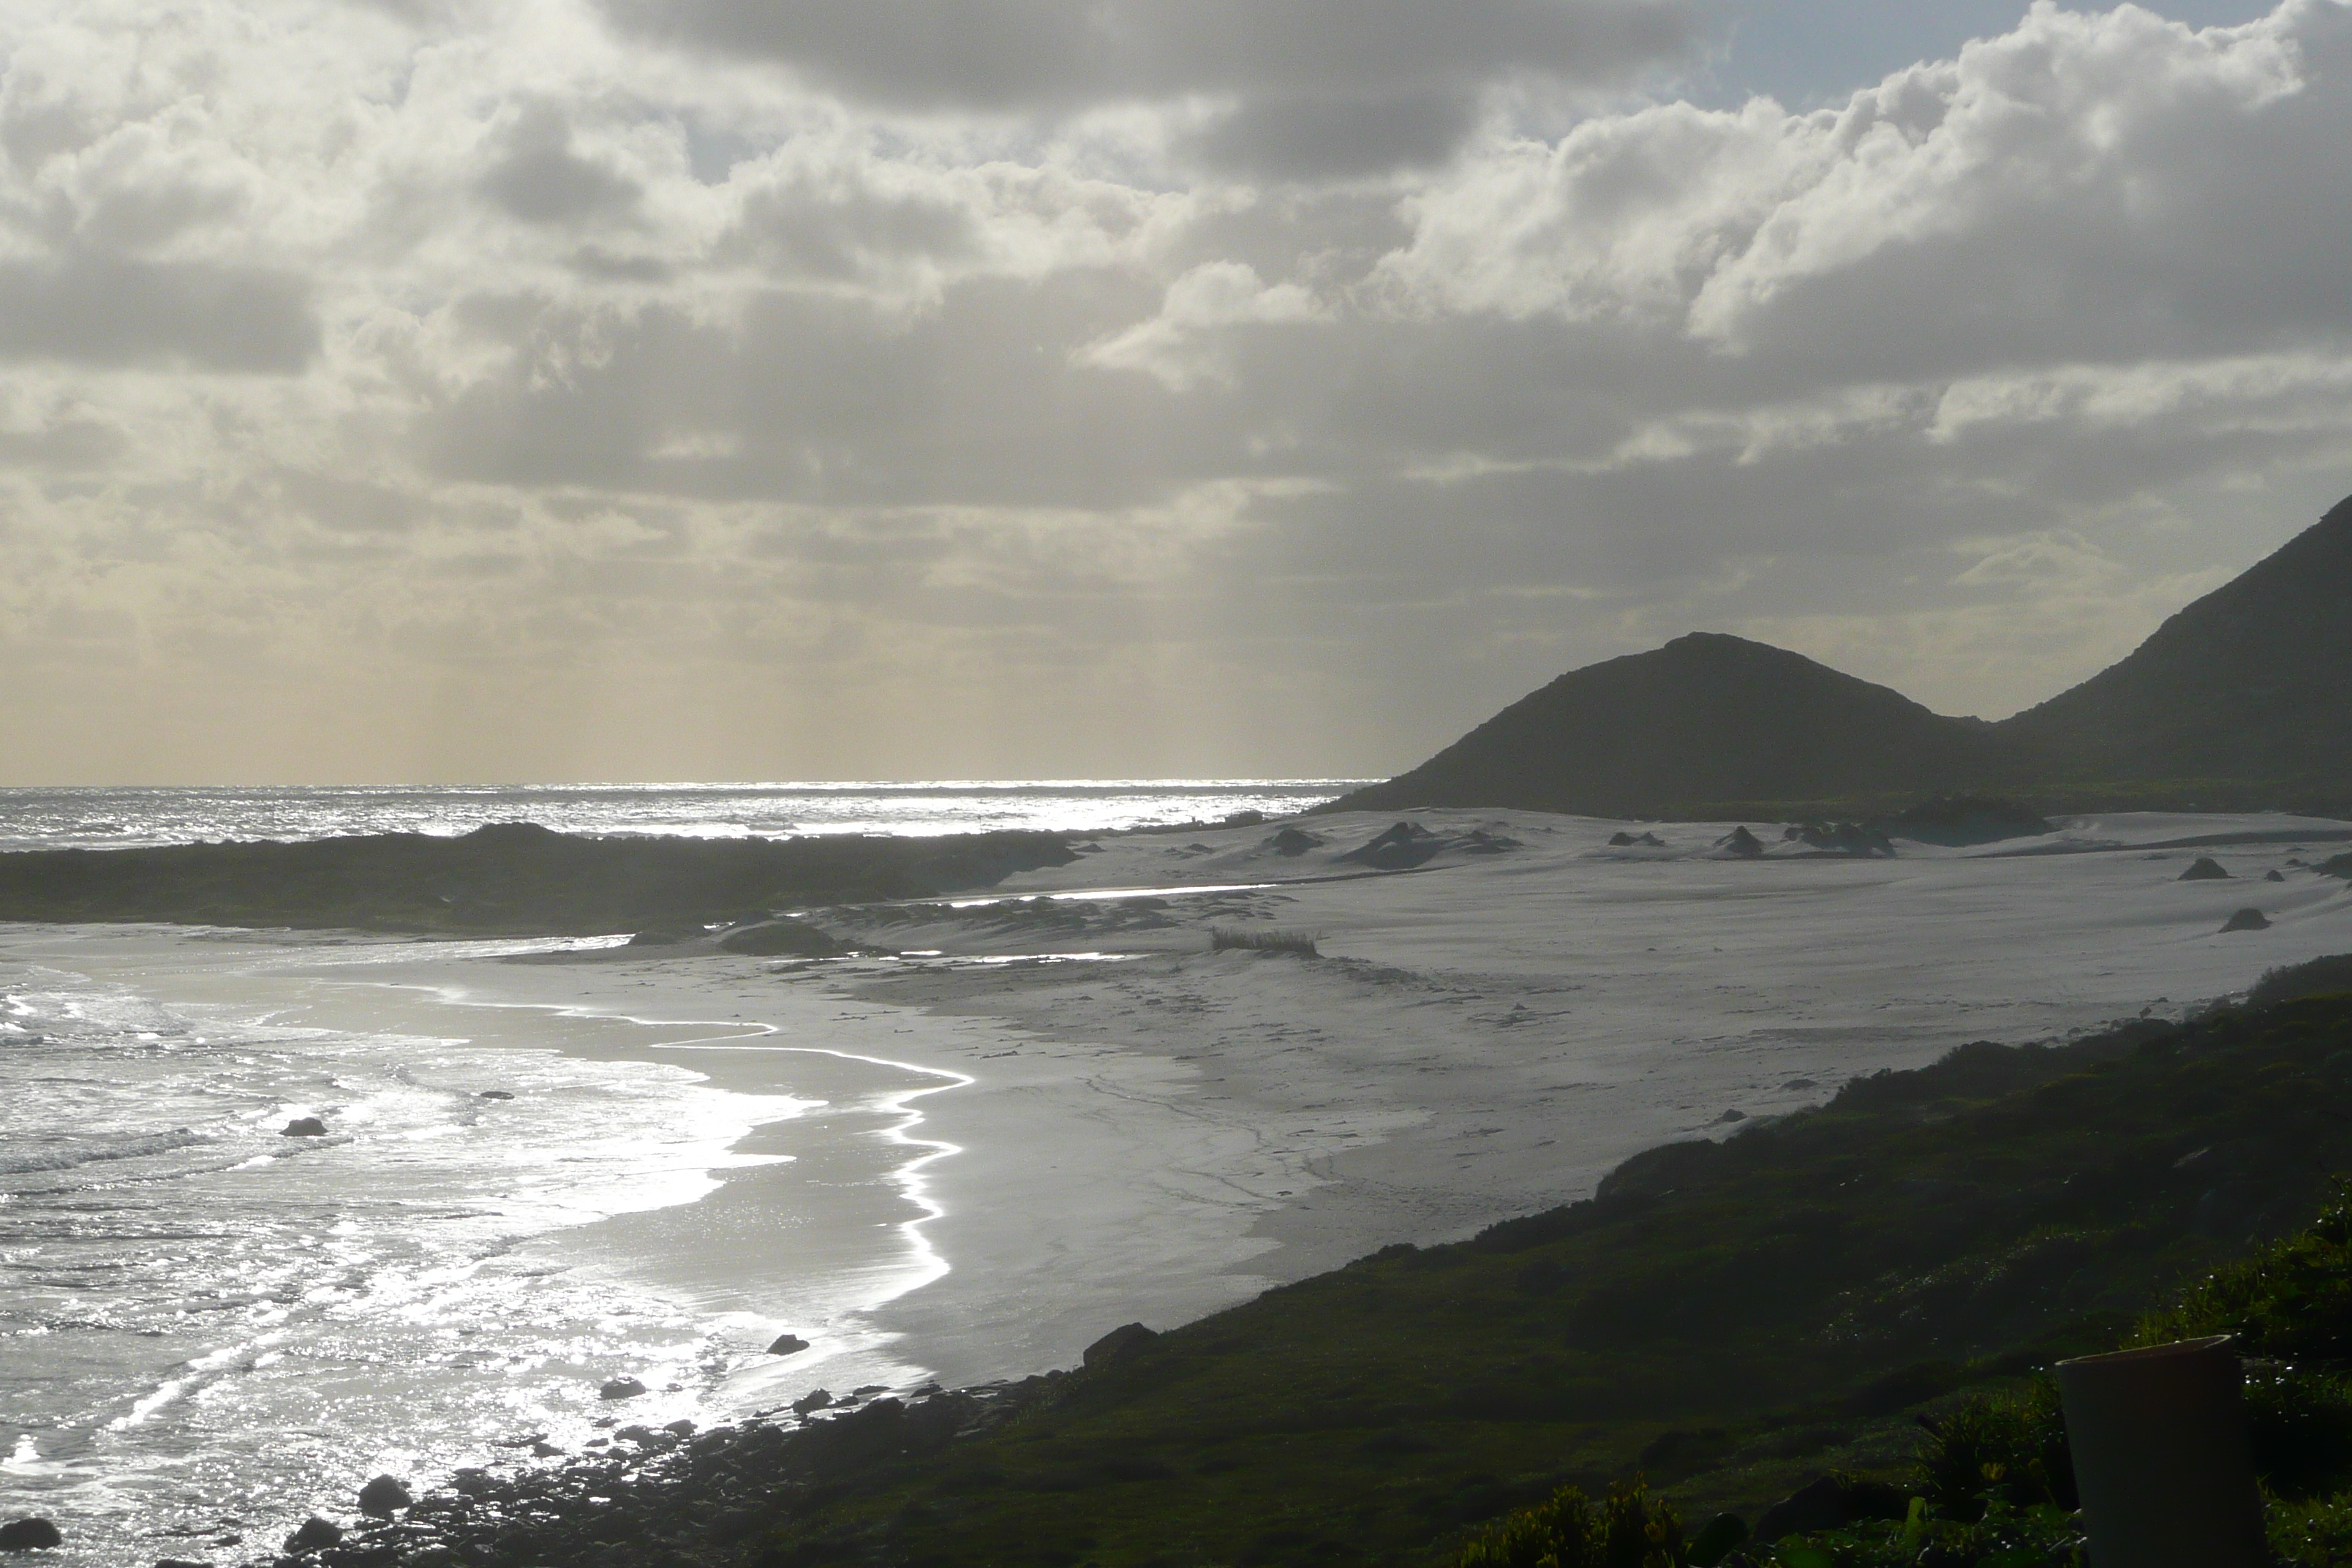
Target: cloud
[
  {"x": 1309, "y": 87},
  {"x": 795, "y": 390},
  {"x": 538, "y": 178},
  {"x": 107, "y": 310}
]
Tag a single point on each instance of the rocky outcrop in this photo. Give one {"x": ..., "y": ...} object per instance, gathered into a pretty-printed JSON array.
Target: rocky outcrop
[
  {"x": 2204, "y": 868},
  {"x": 1118, "y": 1345},
  {"x": 303, "y": 1127},
  {"x": 620, "y": 1388},
  {"x": 787, "y": 1345},
  {"x": 1399, "y": 848},
  {"x": 1741, "y": 844},
  {"x": 2246, "y": 919}
]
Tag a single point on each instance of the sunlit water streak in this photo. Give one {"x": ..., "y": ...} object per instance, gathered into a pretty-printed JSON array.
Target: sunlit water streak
[{"x": 117, "y": 817}]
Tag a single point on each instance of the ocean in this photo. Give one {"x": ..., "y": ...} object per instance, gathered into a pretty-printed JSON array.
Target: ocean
[{"x": 209, "y": 1328}]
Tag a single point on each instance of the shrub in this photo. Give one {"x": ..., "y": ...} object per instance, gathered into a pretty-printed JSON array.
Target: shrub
[
  {"x": 1999, "y": 1447},
  {"x": 1630, "y": 1529},
  {"x": 2291, "y": 1299},
  {"x": 1224, "y": 938},
  {"x": 2301, "y": 1424}
]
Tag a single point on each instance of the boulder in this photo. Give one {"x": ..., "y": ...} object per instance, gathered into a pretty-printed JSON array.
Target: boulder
[
  {"x": 1741, "y": 843},
  {"x": 1830, "y": 1503},
  {"x": 315, "y": 1534},
  {"x": 29, "y": 1535},
  {"x": 787, "y": 1345},
  {"x": 1118, "y": 1344},
  {"x": 1399, "y": 848},
  {"x": 2273, "y": 875},
  {"x": 2204, "y": 868},
  {"x": 679, "y": 1428},
  {"x": 1293, "y": 842},
  {"x": 2246, "y": 919},
  {"x": 813, "y": 1400},
  {"x": 620, "y": 1388},
  {"x": 1621, "y": 840},
  {"x": 385, "y": 1497},
  {"x": 1651, "y": 841},
  {"x": 666, "y": 936},
  {"x": 303, "y": 1127},
  {"x": 494, "y": 1094}
]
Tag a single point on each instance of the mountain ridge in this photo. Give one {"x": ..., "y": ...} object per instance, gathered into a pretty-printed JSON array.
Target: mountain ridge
[{"x": 2237, "y": 696}]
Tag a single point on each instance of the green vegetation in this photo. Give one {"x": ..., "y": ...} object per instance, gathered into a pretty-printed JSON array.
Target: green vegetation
[
  {"x": 1229, "y": 939},
  {"x": 1730, "y": 1320},
  {"x": 510, "y": 879},
  {"x": 1630, "y": 1529}
]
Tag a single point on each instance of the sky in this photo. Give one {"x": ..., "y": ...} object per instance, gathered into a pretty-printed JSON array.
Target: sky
[{"x": 521, "y": 390}]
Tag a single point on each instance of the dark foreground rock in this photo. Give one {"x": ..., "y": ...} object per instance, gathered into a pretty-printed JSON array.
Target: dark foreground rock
[
  {"x": 303, "y": 1127},
  {"x": 315, "y": 1532},
  {"x": 788, "y": 1345},
  {"x": 385, "y": 1497},
  {"x": 29, "y": 1535},
  {"x": 2246, "y": 919},
  {"x": 1118, "y": 1344},
  {"x": 620, "y": 1388},
  {"x": 667, "y": 1498},
  {"x": 2205, "y": 868}
]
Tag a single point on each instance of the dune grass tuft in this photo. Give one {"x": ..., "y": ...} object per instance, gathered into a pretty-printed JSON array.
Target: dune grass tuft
[{"x": 1274, "y": 939}]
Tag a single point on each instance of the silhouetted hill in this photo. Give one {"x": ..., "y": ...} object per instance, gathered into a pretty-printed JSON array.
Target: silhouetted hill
[
  {"x": 2236, "y": 703},
  {"x": 2249, "y": 682},
  {"x": 1705, "y": 718}
]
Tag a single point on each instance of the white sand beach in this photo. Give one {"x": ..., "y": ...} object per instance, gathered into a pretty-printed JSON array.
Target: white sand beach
[{"x": 1055, "y": 1116}]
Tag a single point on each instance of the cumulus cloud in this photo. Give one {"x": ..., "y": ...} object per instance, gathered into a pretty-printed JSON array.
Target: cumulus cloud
[{"x": 580, "y": 389}]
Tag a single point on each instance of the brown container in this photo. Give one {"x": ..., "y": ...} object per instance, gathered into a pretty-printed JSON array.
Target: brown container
[{"x": 2161, "y": 1457}]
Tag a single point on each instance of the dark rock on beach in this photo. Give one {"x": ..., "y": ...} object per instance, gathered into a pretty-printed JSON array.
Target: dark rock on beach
[
  {"x": 2273, "y": 875},
  {"x": 1742, "y": 843},
  {"x": 494, "y": 1094},
  {"x": 1293, "y": 842},
  {"x": 620, "y": 1388},
  {"x": 1956, "y": 821},
  {"x": 1399, "y": 848},
  {"x": 385, "y": 1497},
  {"x": 2246, "y": 919},
  {"x": 2204, "y": 868},
  {"x": 314, "y": 1534},
  {"x": 816, "y": 1399},
  {"x": 303, "y": 1127},
  {"x": 787, "y": 1345},
  {"x": 29, "y": 1535}
]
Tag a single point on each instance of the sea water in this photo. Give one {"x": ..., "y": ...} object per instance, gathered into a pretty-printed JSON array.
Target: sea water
[
  {"x": 95, "y": 818},
  {"x": 208, "y": 1328}
]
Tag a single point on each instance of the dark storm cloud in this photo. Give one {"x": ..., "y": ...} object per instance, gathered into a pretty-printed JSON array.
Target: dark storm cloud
[
  {"x": 107, "y": 311},
  {"x": 1320, "y": 87}
]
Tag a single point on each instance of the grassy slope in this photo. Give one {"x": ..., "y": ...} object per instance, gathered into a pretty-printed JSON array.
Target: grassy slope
[
  {"x": 510, "y": 879},
  {"x": 1743, "y": 1313}
]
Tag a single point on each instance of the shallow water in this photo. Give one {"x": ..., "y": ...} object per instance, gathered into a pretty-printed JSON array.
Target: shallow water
[{"x": 208, "y": 1328}]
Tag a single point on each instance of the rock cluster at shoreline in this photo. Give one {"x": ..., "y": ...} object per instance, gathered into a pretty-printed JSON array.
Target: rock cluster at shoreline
[{"x": 656, "y": 1498}]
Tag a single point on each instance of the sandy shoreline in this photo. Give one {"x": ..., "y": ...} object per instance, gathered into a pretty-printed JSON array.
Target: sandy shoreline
[{"x": 1156, "y": 1131}]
